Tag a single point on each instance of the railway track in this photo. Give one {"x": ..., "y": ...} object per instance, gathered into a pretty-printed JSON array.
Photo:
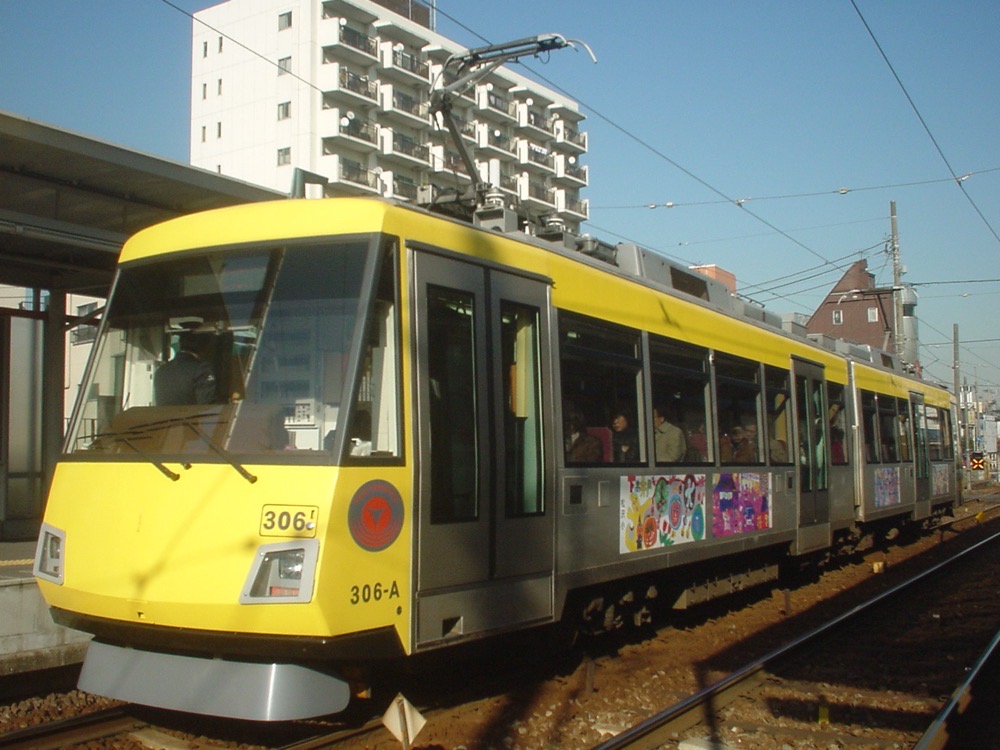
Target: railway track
[
  {"x": 801, "y": 686},
  {"x": 104, "y": 724}
]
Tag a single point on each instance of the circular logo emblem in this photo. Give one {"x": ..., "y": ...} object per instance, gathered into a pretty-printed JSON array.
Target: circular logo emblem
[{"x": 375, "y": 515}]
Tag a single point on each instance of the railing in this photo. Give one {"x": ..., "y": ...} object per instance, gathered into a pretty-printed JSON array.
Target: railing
[
  {"x": 361, "y": 130},
  {"x": 410, "y": 147},
  {"x": 540, "y": 121},
  {"x": 576, "y": 206},
  {"x": 539, "y": 192},
  {"x": 454, "y": 162},
  {"x": 405, "y": 188},
  {"x": 574, "y": 136},
  {"x": 352, "y": 171},
  {"x": 538, "y": 157},
  {"x": 358, "y": 84},
  {"x": 409, "y": 62},
  {"x": 354, "y": 38},
  {"x": 498, "y": 103},
  {"x": 501, "y": 141},
  {"x": 508, "y": 182},
  {"x": 405, "y": 103},
  {"x": 576, "y": 171}
]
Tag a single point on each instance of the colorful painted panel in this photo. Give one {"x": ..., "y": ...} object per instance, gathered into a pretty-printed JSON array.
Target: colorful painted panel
[
  {"x": 740, "y": 503},
  {"x": 940, "y": 476},
  {"x": 887, "y": 487},
  {"x": 661, "y": 511}
]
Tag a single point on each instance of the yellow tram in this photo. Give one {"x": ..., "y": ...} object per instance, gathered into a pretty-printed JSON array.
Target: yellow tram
[{"x": 374, "y": 455}]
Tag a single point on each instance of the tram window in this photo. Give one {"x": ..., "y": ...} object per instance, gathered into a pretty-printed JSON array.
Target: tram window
[
  {"x": 522, "y": 418},
  {"x": 779, "y": 415},
  {"x": 903, "y": 440},
  {"x": 939, "y": 433},
  {"x": 737, "y": 384},
  {"x": 679, "y": 374},
  {"x": 602, "y": 392},
  {"x": 838, "y": 423},
  {"x": 453, "y": 408},
  {"x": 869, "y": 413},
  {"x": 887, "y": 428}
]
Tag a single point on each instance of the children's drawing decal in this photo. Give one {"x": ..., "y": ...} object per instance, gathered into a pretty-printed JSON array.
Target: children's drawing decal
[
  {"x": 887, "y": 487},
  {"x": 940, "y": 479},
  {"x": 740, "y": 503},
  {"x": 661, "y": 511}
]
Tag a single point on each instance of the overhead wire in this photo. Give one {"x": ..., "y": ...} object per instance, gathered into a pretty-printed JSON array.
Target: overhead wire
[
  {"x": 958, "y": 180},
  {"x": 813, "y": 194}
]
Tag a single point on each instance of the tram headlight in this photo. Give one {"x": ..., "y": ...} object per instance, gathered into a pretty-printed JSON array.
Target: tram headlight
[
  {"x": 282, "y": 572},
  {"x": 49, "y": 554}
]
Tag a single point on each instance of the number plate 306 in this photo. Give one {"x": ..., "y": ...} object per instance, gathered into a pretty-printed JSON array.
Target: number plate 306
[{"x": 289, "y": 520}]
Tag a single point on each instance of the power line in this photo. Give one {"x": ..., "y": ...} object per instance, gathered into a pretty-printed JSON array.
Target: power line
[
  {"x": 958, "y": 180},
  {"x": 652, "y": 149},
  {"x": 837, "y": 191}
]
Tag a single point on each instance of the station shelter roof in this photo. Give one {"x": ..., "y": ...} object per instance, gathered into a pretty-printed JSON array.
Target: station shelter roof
[{"x": 68, "y": 202}]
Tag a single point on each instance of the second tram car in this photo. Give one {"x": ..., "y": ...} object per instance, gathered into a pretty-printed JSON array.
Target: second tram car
[{"x": 317, "y": 433}]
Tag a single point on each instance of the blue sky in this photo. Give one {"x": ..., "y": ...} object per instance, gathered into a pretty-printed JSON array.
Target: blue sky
[{"x": 698, "y": 103}]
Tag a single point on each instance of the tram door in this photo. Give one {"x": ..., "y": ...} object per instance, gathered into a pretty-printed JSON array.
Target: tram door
[
  {"x": 923, "y": 478},
  {"x": 813, "y": 428},
  {"x": 485, "y": 523}
]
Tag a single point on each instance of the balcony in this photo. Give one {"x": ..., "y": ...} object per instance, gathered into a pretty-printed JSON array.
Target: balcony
[
  {"x": 357, "y": 177},
  {"x": 352, "y": 89},
  {"x": 535, "y": 159},
  {"x": 351, "y": 45},
  {"x": 510, "y": 182},
  {"x": 571, "y": 207},
  {"x": 443, "y": 160},
  {"x": 569, "y": 139},
  {"x": 494, "y": 106},
  {"x": 494, "y": 142},
  {"x": 403, "y": 148},
  {"x": 569, "y": 172},
  {"x": 403, "y": 65},
  {"x": 399, "y": 106},
  {"x": 404, "y": 188},
  {"x": 534, "y": 122},
  {"x": 535, "y": 195},
  {"x": 349, "y": 133}
]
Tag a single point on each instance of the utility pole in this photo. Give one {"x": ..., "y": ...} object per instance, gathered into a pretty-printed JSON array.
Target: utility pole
[
  {"x": 963, "y": 427},
  {"x": 897, "y": 286}
]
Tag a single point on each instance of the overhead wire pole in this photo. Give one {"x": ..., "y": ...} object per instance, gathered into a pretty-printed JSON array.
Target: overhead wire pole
[
  {"x": 897, "y": 287},
  {"x": 963, "y": 427}
]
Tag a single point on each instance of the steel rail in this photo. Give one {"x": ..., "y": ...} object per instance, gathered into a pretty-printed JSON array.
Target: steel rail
[
  {"x": 682, "y": 713},
  {"x": 936, "y": 735},
  {"x": 74, "y": 730}
]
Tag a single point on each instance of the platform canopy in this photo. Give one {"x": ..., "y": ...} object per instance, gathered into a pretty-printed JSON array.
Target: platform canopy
[{"x": 68, "y": 202}]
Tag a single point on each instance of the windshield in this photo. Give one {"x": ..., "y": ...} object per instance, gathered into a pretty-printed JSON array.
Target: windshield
[{"x": 288, "y": 351}]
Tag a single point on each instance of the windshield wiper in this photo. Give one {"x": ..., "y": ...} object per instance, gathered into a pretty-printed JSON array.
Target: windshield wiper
[
  {"x": 220, "y": 451},
  {"x": 171, "y": 475}
]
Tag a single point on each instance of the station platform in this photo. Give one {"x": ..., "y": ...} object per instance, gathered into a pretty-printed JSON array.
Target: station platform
[{"x": 29, "y": 640}]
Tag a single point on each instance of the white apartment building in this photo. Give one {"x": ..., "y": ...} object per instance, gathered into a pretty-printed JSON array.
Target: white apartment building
[{"x": 341, "y": 88}]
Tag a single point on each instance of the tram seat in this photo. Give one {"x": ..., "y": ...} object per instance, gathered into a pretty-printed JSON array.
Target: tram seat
[{"x": 604, "y": 435}]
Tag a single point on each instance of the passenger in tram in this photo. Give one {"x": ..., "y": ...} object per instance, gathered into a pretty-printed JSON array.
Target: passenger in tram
[
  {"x": 187, "y": 378},
  {"x": 624, "y": 440},
  {"x": 838, "y": 454},
  {"x": 697, "y": 443},
  {"x": 779, "y": 451},
  {"x": 747, "y": 453},
  {"x": 581, "y": 446},
  {"x": 668, "y": 438}
]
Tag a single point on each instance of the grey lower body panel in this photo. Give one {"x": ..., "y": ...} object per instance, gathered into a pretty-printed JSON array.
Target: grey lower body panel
[{"x": 216, "y": 687}]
